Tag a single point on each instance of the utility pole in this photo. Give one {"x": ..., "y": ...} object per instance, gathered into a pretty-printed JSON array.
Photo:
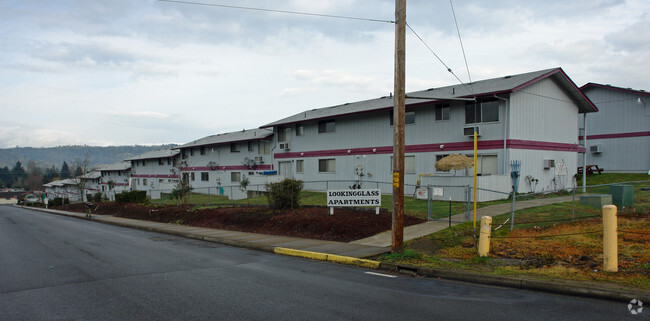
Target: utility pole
[{"x": 398, "y": 121}]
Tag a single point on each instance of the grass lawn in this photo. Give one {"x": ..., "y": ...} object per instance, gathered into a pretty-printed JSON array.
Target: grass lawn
[{"x": 547, "y": 243}]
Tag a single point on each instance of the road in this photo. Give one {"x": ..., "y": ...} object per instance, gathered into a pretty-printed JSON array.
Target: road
[{"x": 61, "y": 268}]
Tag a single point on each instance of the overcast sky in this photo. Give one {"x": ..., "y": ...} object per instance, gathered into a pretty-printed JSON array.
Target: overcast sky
[{"x": 124, "y": 72}]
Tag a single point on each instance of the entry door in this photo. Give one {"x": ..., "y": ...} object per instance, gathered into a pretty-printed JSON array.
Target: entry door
[{"x": 285, "y": 170}]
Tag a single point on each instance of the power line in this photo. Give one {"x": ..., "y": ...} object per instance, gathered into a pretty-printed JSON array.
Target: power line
[
  {"x": 278, "y": 11},
  {"x": 461, "y": 40},
  {"x": 439, "y": 59}
]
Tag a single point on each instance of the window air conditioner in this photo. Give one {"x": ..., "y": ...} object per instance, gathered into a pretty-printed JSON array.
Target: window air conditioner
[
  {"x": 469, "y": 131},
  {"x": 284, "y": 146},
  {"x": 596, "y": 149},
  {"x": 549, "y": 163}
]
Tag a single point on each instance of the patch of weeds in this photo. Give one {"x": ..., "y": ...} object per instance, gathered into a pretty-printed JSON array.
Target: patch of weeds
[
  {"x": 484, "y": 260},
  {"x": 406, "y": 255}
]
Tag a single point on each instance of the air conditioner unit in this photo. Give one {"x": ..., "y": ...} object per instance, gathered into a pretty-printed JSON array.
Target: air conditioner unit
[
  {"x": 259, "y": 159},
  {"x": 469, "y": 131},
  {"x": 549, "y": 163},
  {"x": 596, "y": 149},
  {"x": 284, "y": 146}
]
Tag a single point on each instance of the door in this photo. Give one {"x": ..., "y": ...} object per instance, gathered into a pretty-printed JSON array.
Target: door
[{"x": 285, "y": 169}]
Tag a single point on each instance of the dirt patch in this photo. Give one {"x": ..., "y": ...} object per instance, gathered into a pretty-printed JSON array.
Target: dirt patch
[{"x": 307, "y": 222}]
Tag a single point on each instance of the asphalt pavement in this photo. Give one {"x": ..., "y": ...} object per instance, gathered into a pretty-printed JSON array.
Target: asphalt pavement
[{"x": 356, "y": 252}]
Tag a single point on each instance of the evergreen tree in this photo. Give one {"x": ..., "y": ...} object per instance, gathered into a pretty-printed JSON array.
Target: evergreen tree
[
  {"x": 6, "y": 179},
  {"x": 50, "y": 175},
  {"x": 78, "y": 171},
  {"x": 18, "y": 174},
  {"x": 65, "y": 171}
]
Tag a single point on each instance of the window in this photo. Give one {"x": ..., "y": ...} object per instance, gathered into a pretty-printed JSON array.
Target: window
[
  {"x": 409, "y": 164},
  {"x": 183, "y": 154},
  {"x": 234, "y": 148},
  {"x": 300, "y": 130},
  {"x": 161, "y": 161},
  {"x": 250, "y": 146},
  {"x": 442, "y": 112},
  {"x": 203, "y": 150},
  {"x": 205, "y": 176},
  {"x": 235, "y": 177},
  {"x": 409, "y": 118},
  {"x": 191, "y": 151},
  {"x": 300, "y": 166},
  {"x": 169, "y": 161},
  {"x": 327, "y": 165},
  {"x": 192, "y": 176},
  {"x": 144, "y": 181},
  {"x": 482, "y": 111},
  {"x": 161, "y": 180},
  {"x": 326, "y": 126},
  {"x": 282, "y": 134},
  {"x": 439, "y": 157},
  {"x": 144, "y": 162},
  {"x": 263, "y": 147}
]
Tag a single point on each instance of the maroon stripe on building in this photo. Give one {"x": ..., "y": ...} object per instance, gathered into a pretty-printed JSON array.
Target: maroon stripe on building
[
  {"x": 438, "y": 147},
  {"x": 617, "y": 135},
  {"x": 153, "y": 176},
  {"x": 225, "y": 168}
]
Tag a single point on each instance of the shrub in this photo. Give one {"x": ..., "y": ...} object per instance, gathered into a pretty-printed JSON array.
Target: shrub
[
  {"x": 97, "y": 197},
  {"x": 284, "y": 194},
  {"x": 57, "y": 201},
  {"x": 181, "y": 192},
  {"x": 131, "y": 197}
]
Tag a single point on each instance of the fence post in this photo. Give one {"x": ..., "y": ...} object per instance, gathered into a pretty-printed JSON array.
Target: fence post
[
  {"x": 467, "y": 205},
  {"x": 573, "y": 208},
  {"x": 512, "y": 211},
  {"x": 429, "y": 202},
  {"x": 610, "y": 242},
  {"x": 484, "y": 236}
]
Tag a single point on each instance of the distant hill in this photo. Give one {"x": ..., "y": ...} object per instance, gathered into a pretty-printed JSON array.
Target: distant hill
[{"x": 48, "y": 156}]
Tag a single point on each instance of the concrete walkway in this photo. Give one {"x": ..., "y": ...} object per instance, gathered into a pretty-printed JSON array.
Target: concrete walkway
[{"x": 415, "y": 231}]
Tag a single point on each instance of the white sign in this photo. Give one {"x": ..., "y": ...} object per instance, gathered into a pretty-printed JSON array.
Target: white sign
[
  {"x": 353, "y": 197},
  {"x": 422, "y": 193}
]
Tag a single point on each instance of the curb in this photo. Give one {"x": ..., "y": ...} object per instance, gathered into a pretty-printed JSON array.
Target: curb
[
  {"x": 569, "y": 288},
  {"x": 328, "y": 257}
]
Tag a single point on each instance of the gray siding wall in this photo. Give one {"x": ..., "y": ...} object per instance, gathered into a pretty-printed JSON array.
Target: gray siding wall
[
  {"x": 543, "y": 112},
  {"x": 618, "y": 113}
]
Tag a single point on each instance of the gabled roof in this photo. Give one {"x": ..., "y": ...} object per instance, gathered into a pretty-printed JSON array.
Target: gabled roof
[
  {"x": 244, "y": 135},
  {"x": 482, "y": 88},
  {"x": 591, "y": 85},
  {"x": 162, "y": 153},
  {"x": 92, "y": 175},
  {"x": 121, "y": 166},
  {"x": 59, "y": 183}
]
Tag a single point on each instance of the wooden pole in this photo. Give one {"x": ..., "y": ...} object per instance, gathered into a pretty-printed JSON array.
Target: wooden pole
[{"x": 398, "y": 121}]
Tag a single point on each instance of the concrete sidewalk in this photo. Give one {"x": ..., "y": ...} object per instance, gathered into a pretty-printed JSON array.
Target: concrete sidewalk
[{"x": 423, "y": 229}]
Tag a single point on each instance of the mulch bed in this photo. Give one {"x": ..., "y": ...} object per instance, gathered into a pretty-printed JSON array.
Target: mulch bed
[{"x": 307, "y": 222}]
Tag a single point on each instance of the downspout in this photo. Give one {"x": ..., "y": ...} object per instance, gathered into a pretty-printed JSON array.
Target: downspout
[
  {"x": 505, "y": 134},
  {"x": 584, "y": 155}
]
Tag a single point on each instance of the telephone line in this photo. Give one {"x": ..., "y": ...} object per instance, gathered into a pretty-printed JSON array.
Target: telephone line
[{"x": 277, "y": 11}]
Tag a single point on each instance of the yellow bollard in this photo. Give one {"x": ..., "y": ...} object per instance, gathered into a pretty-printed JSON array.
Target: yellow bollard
[
  {"x": 610, "y": 239},
  {"x": 484, "y": 236}
]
